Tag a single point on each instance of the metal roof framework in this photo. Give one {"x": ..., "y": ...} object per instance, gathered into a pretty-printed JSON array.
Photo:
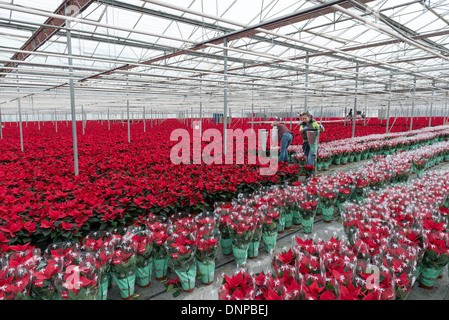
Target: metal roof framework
[{"x": 273, "y": 53}]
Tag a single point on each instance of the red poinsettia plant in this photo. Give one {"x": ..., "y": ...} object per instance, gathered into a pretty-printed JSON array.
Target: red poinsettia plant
[{"x": 240, "y": 286}]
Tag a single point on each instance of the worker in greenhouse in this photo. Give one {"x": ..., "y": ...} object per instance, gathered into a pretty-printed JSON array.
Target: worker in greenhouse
[
  {"x": 285, "y": 137},
  {"x": 308, "y": 123}
]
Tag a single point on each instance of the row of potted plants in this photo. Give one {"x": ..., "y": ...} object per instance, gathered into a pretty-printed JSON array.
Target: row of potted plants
[
  {"x": 362, "y": 148},
  {"x": 399, "y": 235}
]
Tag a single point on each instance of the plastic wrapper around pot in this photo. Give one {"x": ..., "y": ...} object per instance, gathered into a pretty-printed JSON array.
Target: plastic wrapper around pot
[
  {"x": 43, "y": 280},
  {"x": 15, "y": 283},
  {"x": 79, "y": 279},
  {"x": 238, "y": 286},
  {"x": 124, "y": 265}
]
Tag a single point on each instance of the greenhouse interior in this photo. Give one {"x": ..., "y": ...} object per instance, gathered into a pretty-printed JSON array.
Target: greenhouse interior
[{"x": 224, "y": 150}]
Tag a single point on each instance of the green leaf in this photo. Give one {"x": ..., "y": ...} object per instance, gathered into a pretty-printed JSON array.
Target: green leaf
[{"x": 170, "y": 288}]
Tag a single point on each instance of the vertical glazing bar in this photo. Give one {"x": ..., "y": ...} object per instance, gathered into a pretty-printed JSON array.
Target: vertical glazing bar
[
  {"x": 354, "y": 115},
  {"x": 1, "y": 124},
  {"x": 307, "y": 82},
  {"x": 144, "y": 121},
  {"x": 413, "y": 104},
  {"x": 431, "y": 103},
  {"x": 82, "y": 117},
  {"x": 20, "y": 115},
  {"x": 252, "y": 107},
  {"x": 389, "y": 104},
  {"x": 225, "y": 98},
  {"x": 447, "y": 110},
  {"x": 72, "y": 98},
  {"x": 127, "y": 107}
]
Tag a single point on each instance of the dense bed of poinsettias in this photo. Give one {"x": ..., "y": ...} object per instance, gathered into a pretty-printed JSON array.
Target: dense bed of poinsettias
[{"x": 41, "y": 199}]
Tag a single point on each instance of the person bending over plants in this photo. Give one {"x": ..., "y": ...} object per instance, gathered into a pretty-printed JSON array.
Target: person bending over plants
[{"x": 308, "y": 123}]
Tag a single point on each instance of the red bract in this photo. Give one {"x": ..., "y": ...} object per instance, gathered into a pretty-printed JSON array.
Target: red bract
[{"x": 237, "y": 287}]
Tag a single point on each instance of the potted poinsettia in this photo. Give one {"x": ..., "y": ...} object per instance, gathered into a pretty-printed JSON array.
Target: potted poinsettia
[
  {"x": 208, "y": 241},
  {"x": 223, "y": 212},
  {"x": 435, "y": 258},
  {"x": 102, "y": 244},
  {"x": 240, "y": 286},
  {"x": 361, "y": 183},
  {"x": 253, "y": 249},
  {"x": 317, "y": 287},
  {"x": 297, "y": 196},
  {"x": 345, "y": 190},
  {"x": 420, "y": 163},
  {"x": 124, "y": 265},
  {"x": 15, "y": 283},
  {"x": 339, "y": 265},
  {"x": 269, "y": 228},
  {"x": 308, "y": 211},
  {"x": 206, "y": 254},
  {"x": 327, "y": 193},
  {"x": 290, "y": 206},
  {"x": 79, "y": 279},
  {"x": 401, "y": 260},
  {"x": 284, "y": 262},
  {"x": 241, "y": 229},
  {"x": 63, "y": 251},
  {"x": 207, "y": 225},
  {"x": 144, "y": 261},
  {"x": 43, "y": 281},
  {"x": 181, "y": 249},
  {"x": 159, "y": 252}
]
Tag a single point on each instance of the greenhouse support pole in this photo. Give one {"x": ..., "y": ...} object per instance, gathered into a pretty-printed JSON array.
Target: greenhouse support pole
[
  {"x": 109, "y": 120},
  {"x": 127, "y": 109},
  {"x": 38, "y": 121},
  {"x": 307, "y": 81},
  {"x": 447, "y": 110},
  {"x": 366, "y": 112},
  {"x": 72, "y": 98},
  {"x": 431, "y": 103},
  {"x": 413, "y": 104},
  {"x": 56, "y": 122},
  {"x": 151, "y": 117},
  {"x": 252, "y": 107},
  {"x": 291, "y": 116},
  {"x": 389, "y": 103},
  {"x": 82, "y": 117},
  {"x": 20, "y": 115},
  {"x": 354, "y": 114},
  {"x": 20, "y": 123},
  {"x": 225, "y": 97},
  {"x": 144, "y": 122},
  {"x": 346, "y": 112},
  {"x": 321, "y": 109},
  {"x": 1, "y": 124}
]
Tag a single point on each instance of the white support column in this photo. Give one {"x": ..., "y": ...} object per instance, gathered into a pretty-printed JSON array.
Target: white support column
[
  {"x": 389, "y": 103},
  {"x": 413, "y": 104},
  {"x": 354, "y": 115},
  {"x": 431, "y": 103},
  {"x": 144, "y": 121},
  {"x": 225, "y": 114},
  {"x": 306, "y": 82}
]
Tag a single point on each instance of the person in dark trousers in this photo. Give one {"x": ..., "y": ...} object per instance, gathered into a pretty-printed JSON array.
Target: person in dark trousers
[
  {"x": 349, "y": 116},
  {"x": 308, "y": 122},
  {"x": 285, "y": 137}
]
